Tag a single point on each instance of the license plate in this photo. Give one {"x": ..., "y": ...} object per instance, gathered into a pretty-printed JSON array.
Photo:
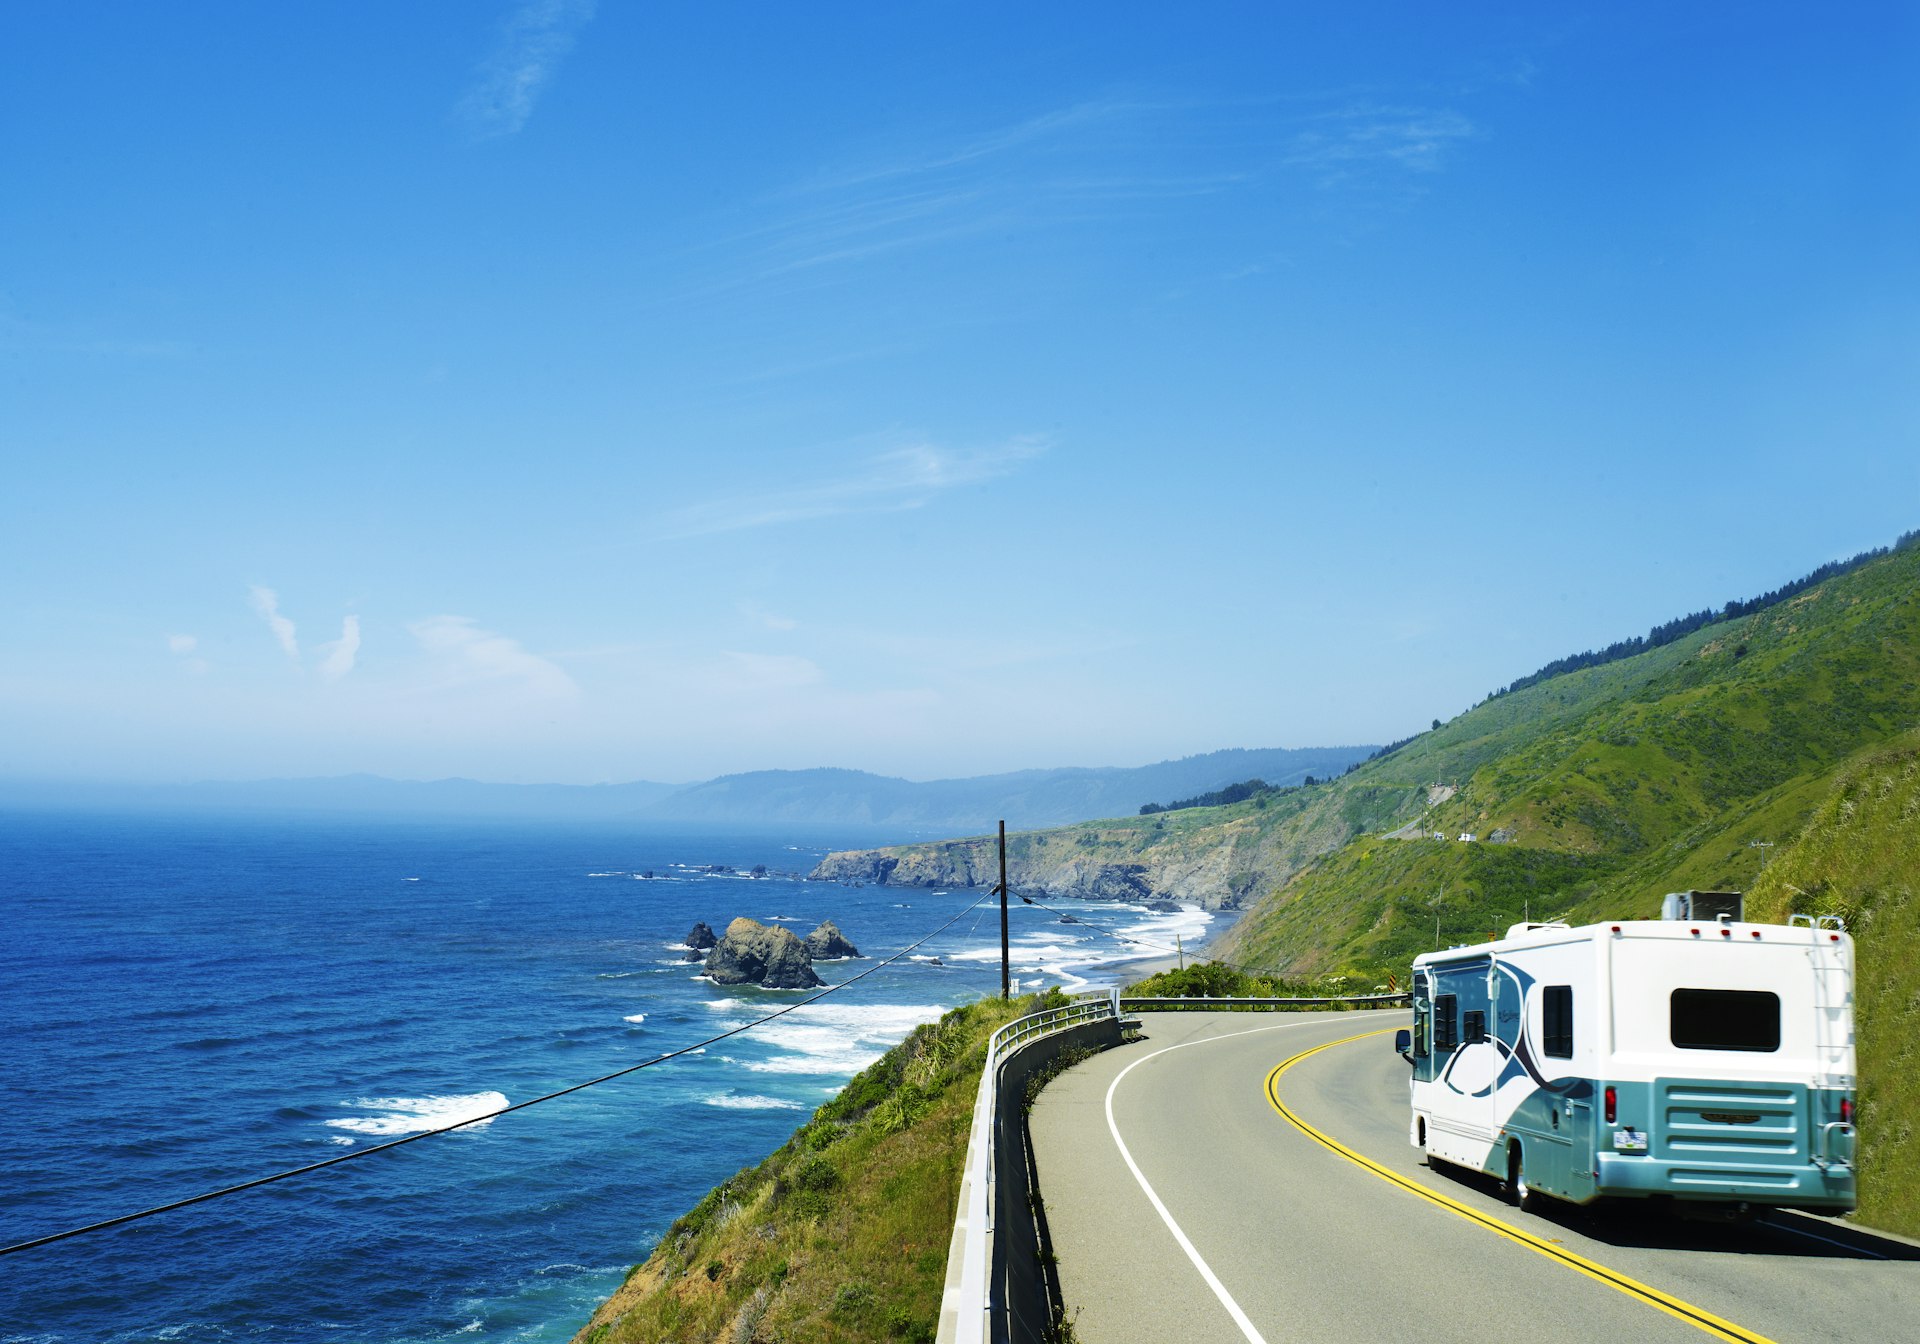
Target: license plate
[{"x": 1629, "y": 1141}]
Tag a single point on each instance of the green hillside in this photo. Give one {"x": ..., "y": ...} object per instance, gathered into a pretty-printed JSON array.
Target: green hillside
[
  {"x": 1593, "y": 793},
  {"x": 1859, "y": 858}
]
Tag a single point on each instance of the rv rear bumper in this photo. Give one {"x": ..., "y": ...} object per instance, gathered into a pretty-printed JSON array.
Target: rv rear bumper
[{"x": 1828, "y": 1187}]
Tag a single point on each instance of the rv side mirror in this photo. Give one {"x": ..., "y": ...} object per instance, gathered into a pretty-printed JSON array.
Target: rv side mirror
[{"x": 1403, "y": 1042}]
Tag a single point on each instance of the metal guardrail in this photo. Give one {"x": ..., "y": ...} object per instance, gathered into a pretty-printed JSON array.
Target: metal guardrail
[
  {"x": 966, "y": 1303},
  {"x": 1128, "y": 1005}
]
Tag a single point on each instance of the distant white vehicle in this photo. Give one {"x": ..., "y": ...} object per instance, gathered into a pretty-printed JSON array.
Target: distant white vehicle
[
  {"x": 1468, "y": 837},
  {"x": 1695, "y": 1058}
]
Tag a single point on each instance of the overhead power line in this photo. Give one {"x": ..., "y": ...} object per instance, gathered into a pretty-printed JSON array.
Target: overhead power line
[{"x": 257, "y": 1182}]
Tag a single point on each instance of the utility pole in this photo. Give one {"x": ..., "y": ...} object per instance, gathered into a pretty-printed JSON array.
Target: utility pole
[
  {"x": 1006, "y": 983},
  {"x": 1181, "y": 948}
]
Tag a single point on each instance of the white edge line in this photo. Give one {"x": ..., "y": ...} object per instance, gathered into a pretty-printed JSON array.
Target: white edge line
[{"x": 1206, "y": 1272}]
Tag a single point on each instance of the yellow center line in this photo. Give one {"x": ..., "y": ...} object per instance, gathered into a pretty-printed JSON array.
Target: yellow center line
[{"x": 1673, "y": 1306}]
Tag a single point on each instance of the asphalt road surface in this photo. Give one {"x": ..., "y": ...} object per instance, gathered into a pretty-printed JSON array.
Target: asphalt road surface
[{"x": 1263, "y": 1232}]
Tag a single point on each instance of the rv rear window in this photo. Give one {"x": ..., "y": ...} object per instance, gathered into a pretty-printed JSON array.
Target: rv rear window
[
  {"x": 1726, "y": 1019},
  {"x": 1446, "y": 1027},
  {"x": 1556, "y": 1021}
]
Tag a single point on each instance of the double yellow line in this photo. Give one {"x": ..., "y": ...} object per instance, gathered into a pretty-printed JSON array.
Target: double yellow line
[{"x": 1653, "y": 1297}]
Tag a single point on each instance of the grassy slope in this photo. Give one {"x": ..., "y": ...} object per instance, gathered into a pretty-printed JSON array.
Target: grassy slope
[
  {"x": 1617, "y": 783},
  {"x": 1859, "y": 857},
  {"x": 840, "y": 1235}
]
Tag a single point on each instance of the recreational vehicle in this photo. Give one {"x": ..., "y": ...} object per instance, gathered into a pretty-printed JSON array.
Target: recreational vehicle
[{"x": 1694, "y": 1057}]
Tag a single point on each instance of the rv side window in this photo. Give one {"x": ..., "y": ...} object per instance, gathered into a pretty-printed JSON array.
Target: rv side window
[
  {"x": 1726, "y": 1019},
  {"x": 1445, "y": 1035},
  {"x": 1474, "y": 1029},
  {"x": 1556, "y": 1021}
]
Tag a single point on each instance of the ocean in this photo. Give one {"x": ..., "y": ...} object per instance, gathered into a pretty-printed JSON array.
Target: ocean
[{"x": 192, "y": 1002}]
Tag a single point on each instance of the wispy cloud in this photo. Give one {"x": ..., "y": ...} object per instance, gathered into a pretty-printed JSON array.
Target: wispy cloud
[
  {"x": 1107, "y": 159},
  {"x": 469, "y": 655},
  {"x": 769, "y": 620},
  {"x": 904, "y": 478},
  {"x": 1062, "y": 167},
  {"x": 533, "y": 41},
  {"x": 342, "y": 652},
  {"x": 1371, "y": 135},
  {"x": 183, "y": 648},
  {"x": 267, "y": 603}
]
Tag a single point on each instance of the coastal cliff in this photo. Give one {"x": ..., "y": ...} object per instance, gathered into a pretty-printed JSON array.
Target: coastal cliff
[{"x": 1221, "y": 858}]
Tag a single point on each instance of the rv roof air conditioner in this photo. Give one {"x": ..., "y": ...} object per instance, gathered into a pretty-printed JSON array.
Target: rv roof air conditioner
[
  {"x": 1710, "y": 905},
  {"x": 1514, "y": 931}
]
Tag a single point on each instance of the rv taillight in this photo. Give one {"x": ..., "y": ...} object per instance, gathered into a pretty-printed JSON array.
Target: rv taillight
[
  {"x": 1846, "y": 1110},
  {"x": 1613, "y": 1105}
]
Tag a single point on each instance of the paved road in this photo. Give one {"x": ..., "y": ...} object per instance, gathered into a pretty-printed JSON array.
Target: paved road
[{"x": 1306, "y": 1244}]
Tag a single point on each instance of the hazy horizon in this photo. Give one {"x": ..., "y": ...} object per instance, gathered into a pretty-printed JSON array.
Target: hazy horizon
[{"x": 187, "y": 781}]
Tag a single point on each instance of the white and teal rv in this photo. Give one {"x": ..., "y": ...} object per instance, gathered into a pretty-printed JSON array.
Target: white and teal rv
[{"x": 1695, "y": 1057}]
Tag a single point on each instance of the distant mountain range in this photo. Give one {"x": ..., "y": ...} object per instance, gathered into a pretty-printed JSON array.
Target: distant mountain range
[
  {"x": 823, "y": 797},
  {"x": 1024, "y": 799}
]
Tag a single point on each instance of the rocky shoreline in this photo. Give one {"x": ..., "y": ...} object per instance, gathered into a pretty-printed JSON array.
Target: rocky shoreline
[{"x": 1208, "y": 880}]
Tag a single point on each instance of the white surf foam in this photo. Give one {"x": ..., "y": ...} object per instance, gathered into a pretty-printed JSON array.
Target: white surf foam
[
  {"x": 1069, "y": 952},
  {"x": 394, "y": 1116},
  {"x": 635, "y": 1018},
  {"x": 837, "y": 1039},
  {"x": 732, "y": 1102}
]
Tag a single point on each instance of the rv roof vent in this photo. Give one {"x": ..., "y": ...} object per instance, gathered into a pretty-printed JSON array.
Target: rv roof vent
[
  {"x": 1703, "y": 905},
  {"x": 1516, "y": 930}
]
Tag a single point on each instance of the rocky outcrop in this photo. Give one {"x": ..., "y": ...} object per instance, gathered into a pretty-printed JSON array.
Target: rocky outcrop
[
  {"x": 702, "y": 937},
  {"x": 750, "y": 953},
  {"x": 827, "y": 943}
]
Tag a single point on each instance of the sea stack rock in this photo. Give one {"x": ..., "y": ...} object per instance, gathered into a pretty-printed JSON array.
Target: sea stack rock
[
  {"x": 702, "y": 937},
  {"x": 752, "y": 954},
  {"x": 827, "y": 943}
]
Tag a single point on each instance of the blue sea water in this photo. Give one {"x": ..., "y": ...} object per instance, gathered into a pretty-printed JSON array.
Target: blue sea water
[{"x": 188, "y": 1003}]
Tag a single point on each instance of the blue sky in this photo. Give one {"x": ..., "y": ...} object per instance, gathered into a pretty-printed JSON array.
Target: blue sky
[{"x": 543, "y": 391}]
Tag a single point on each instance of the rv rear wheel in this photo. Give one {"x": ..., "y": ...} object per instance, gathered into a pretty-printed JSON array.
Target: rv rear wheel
[{"x": 1517, "y": 1189}]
